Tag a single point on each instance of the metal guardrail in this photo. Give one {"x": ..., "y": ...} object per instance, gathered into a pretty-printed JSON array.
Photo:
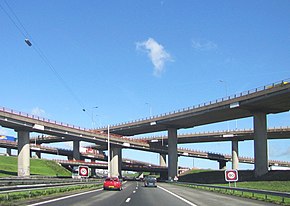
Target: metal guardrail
[
  {"x": 20, "y": 188},
  {"x": 283, "y": 195}
]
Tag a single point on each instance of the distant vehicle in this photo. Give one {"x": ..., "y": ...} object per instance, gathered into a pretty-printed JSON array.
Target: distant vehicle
[
  {"x": 112, "y": 183},
  {"x": 150, "y": 181}
]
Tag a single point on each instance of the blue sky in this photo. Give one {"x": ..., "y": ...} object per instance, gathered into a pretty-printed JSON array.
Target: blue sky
[{"x": 135, "y": 58}]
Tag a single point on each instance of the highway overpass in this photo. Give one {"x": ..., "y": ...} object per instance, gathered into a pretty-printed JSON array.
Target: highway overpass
[{"x": 258, "y": 103}]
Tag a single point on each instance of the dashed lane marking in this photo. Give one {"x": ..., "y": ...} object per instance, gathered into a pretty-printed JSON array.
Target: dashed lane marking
[{"x": 128, "y": 199}]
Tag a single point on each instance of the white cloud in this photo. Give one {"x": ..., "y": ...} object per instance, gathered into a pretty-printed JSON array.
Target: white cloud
[
  {"x": 38, "y": 112},
  {"x": 204, "y": 45},
  {"x": 156, "y": 53}
]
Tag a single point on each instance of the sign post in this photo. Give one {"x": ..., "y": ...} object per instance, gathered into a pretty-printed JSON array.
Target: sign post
[{"x": 231, "y": 176}]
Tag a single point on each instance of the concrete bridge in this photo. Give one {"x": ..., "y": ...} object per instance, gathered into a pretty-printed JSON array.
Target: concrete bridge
[{"x": 258, "y": 103}]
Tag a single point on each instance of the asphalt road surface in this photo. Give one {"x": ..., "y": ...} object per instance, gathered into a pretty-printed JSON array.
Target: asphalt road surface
[{"x": 134, "y": 193}]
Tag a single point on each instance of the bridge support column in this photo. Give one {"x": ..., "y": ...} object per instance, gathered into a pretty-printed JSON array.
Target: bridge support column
[
  {"x": 23, "y": 154},
  {"x": 8, "y": 151},
  {"x": 172, "y": 153},
  {"x": 116, "y": 161},
  {"x": 260, "y": 144},
  {"x": 162, "y": 160},
  {"x": 222, "y": 164},
  {"x": 93, "y": 170},
  {"x": 235, "y": 154},
  {"x": 76, "y": 150},
  {"x": 38, "y": 154}
]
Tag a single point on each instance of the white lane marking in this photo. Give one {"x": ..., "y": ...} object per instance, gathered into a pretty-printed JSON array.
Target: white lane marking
[
  {"x": 62, "y": 198},
  {"x": 134, "y": 191},
  {"x": 128, "y": 199},
  {"x": 175, "y": 195}
]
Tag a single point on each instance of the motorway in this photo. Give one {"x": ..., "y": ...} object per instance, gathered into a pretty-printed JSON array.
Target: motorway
[{"x": 134, "y": 193}]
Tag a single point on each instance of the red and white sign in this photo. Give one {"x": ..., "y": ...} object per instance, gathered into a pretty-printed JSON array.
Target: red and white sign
[
  {"x": 231, "y": 175},
  {"x": 83, "y": 171}
]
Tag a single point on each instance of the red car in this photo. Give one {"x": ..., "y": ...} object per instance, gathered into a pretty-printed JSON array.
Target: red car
[{"x": 112, "y": 183}]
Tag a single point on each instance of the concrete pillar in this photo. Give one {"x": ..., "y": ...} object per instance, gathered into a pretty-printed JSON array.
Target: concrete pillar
[
  {"x": 23, "y": 154},
  {"x": 76, "y": 150},
  {"x": 38, "y": 154},
  {"x": 172, "y": 153},
  {"x": 120, "y": 163},
  {"x": 93, "y": 170},
  {"x": 8, "y": 151},
  {"x": 222, "y": 164},
  {"x": 162, "y": 160},
  {"x": 235, "y": 154},
  {"x": 260, "y": 144},
  {"x": 116, "y": 161}
]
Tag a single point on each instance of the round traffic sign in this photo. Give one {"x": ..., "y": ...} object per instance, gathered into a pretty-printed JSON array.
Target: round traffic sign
[
  {"x": 84, "y": 171},
  {"x": 231, "y": 175}
]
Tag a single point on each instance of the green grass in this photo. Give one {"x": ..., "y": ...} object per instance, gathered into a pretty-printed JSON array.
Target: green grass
[
  {"x": 8, "y": 167},
  {"x": 19, "y": 198},
  {"x": 280, "y": 186}
]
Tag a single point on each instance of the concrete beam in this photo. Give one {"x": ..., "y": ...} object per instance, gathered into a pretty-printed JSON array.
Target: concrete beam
[
  {"x": 260, "y": 144},
  {"x": 23, "y": 154},
  {"x": 235, "y": 154},
  {"x": 172, "y": 153}
]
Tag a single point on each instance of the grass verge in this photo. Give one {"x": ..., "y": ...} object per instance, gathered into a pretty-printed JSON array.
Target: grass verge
[
  {"x": 279, "y": 186},
  {"x": 15, "y": 198}
]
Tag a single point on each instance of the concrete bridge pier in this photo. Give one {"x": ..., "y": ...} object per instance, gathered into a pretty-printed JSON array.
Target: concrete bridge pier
[
  {"x": 116, "y": 162},
  {"x": 162, "y": 160},
  {"x": 76, "y": 150},
  {"x": 8, "y": 151},
  {"x": 235, "y": 154},
  {"x": 93, "y": 170},
  {"x": 23, "y": 154},
  {"x": 172, "y": 153},
  {"x": 222, "y": 164},
  {"x": 260, "y": 144},
  {"x": 38, "y": 155}
]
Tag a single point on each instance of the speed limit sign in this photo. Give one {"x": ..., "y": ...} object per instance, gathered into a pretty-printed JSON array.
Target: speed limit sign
[
  {"x": 83, "y": 171},
  {"x": 231, "y": 175}
]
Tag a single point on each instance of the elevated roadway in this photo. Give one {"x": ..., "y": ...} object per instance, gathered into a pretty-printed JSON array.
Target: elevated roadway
[
  {"x": 220, "y": 136},
  {"x": 258, "y": 103},
  {"x": 270, "y": 99}
]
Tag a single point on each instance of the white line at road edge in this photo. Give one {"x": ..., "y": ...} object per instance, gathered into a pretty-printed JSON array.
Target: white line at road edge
[
  {"x": 62, "y": 198},
  {"x": 175, "y": 195}
]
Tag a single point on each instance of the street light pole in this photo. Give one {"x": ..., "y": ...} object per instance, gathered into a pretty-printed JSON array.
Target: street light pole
[
  {"x": 109, "y": 155},
  {"x": 226, "y": 88},
  {"x": 150, "y": 109},
  {"x": 93, "y": 120}
]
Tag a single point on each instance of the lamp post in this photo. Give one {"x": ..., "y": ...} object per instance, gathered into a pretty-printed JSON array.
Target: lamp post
[
  {"x": 150, "y": 108},
  {"x": 109, "y": 155},
  {"x": 226, "y": 88},
  {"x": 93, "y": 120}
]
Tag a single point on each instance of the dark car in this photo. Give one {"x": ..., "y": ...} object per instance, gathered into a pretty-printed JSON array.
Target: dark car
[
  {"x": 112, "y": 183},
  {"x": 150, "y": 181}
]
